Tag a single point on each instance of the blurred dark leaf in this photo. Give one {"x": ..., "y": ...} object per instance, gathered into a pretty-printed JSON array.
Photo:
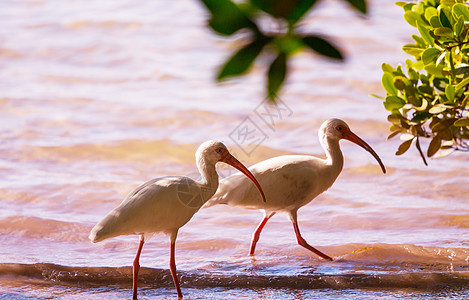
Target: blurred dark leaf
[
  {"x": 291, "y": 10},
  {"x": 302, "y": 7},
  {"x": 322, "y": 47},
  {"x": 226, "y": 17},
  {"x": 359, "y": 5},
  {"x": 289, "y": 44},
  {"x": 242, "y": 60},
  {"x": 276, "y": 75}
]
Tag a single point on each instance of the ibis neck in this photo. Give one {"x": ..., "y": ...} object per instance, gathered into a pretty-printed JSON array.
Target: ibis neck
[
  {"x": 209, "y": 180},
  {"x": 334, "y": 156}
]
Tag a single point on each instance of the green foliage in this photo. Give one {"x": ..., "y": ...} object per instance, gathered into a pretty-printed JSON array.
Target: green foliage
[
  {"x": 228, "y": 17},
  {"x": 429, "y": 97}
]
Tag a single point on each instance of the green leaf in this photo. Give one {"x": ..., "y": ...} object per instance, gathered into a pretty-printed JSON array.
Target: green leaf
[
  {"x": 437, "y": 109},
  {"x": 413, "y": 50},
  {"x": 444, "y": 14},
  {"x": 408, "y": 6},
  {"x": 419, "y": 40},
  {"x": 242, "y": 59},
  {"x": 402, "y": 3},
  {"x": 393, "y": 102},
  {"x": 444, "y": 31},
  {"x": 412, "y": 18},
  {"x": 401, "y": 82},
  {"x": 459, "y": 10},
  {"x": 462, "y": 69},
  {"x": 430, "y": 12},
  {"x": 435, "y": 22},
  {"x": 359, "y": 5},
  {"x": 462, "y": 122},
  {"x": 404, "y": 147},
  {"x": 420, "y": 117},
  {"x": 426, "y": 89},
  {"x": 463, "y": 83},
  {"x": 440, "y": 83},
  {"x": 434, "y": 146},
  {"x": 433, "y": 69},
  {"x": 459, "y": 26},
  {"x": 423, "y": 105},
  {"x": 450, "y": 92},
  {"x": 430, "y": 55},
  {"x": 323, "y": 47},
  {"x": 387, "y": 68},
  {"x": 425, "y": 33},
  {"x": 388, "y": 83},
  {"x": 226, "y": 17},
  {"x": 276, "y": 75},
  {"x": 395, "y": 118}
]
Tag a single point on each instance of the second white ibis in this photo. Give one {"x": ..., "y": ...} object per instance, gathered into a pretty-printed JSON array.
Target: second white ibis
[
  {"x": 165, "y": 204},
  {"x": 291, "y": 181}
]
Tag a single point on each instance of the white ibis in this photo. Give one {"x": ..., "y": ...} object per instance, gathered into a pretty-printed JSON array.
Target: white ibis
[
  {"x": 165, "y": 204},
  {"x": 291, "y": 181}
]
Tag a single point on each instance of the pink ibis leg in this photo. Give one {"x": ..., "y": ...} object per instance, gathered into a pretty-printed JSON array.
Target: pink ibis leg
[
  {"x": 136, "y": 268},
  {"x": 257, "y": 233},
  {"x": 302, "y": 242},
  {"x": 172, "y": 266}
]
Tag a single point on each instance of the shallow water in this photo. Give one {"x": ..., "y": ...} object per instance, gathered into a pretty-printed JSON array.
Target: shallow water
[{"x": 98, "y": 97}]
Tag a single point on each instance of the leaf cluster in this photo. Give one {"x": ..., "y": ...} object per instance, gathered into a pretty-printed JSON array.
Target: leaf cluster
[
  {"x": 227, "y": 18},
  {"x": 428, "y": 98}
]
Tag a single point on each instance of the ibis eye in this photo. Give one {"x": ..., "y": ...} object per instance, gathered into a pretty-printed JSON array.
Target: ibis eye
[
  {"x": 219, "y": 150},
  {"x": 339, "y": 128}
]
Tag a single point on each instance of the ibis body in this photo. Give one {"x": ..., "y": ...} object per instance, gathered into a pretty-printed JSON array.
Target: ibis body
[
  {"x": 291, "y": 181},
  {"x": 165, "y": 204}
]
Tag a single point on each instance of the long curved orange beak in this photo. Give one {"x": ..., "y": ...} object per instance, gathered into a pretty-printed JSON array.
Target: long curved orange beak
[
  {"x": 232, "y": 161},
  {"x": 349, "y": 135}
]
